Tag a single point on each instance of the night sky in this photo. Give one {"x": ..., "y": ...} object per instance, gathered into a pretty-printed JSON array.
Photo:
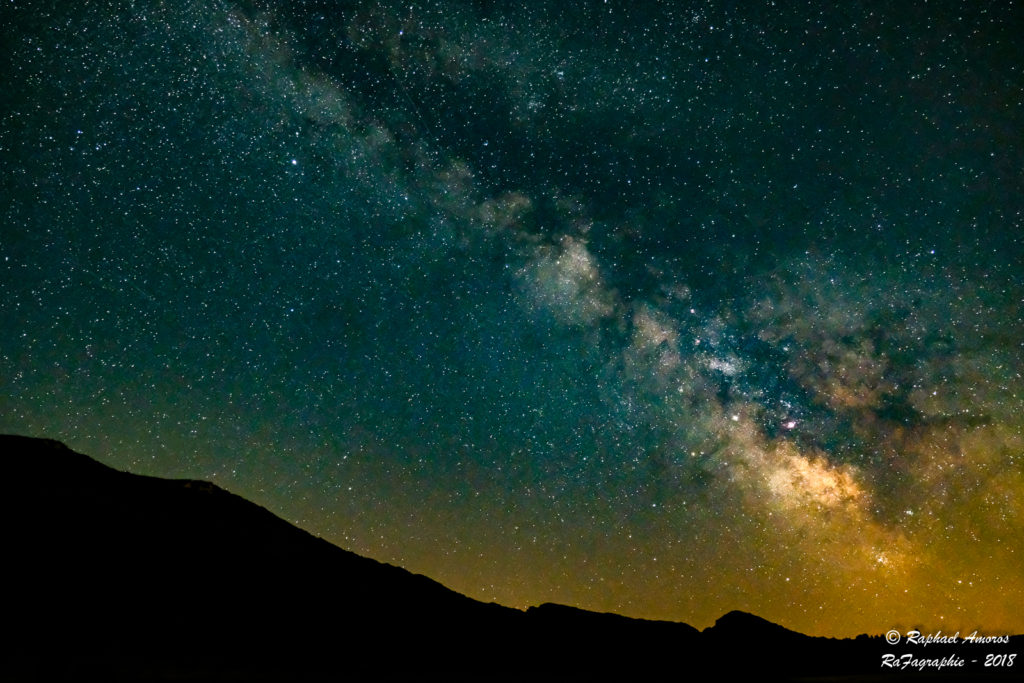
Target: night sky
[{"x": 661, "y": 308}]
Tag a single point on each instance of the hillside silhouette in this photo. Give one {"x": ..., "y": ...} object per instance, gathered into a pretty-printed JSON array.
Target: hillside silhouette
[{"x": 118, "y": 576}]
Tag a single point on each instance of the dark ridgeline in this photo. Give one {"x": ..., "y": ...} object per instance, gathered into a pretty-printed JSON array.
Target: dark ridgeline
[{"x": 124, "y": 577}]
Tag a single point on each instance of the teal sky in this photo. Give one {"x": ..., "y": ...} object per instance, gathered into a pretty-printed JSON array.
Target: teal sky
[{"x": 665, "y": 311}]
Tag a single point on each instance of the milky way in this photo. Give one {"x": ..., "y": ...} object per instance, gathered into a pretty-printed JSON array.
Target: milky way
[{"x": 663, "y": 311}]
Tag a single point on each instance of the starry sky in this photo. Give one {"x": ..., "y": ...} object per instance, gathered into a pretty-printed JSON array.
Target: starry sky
[{"x": 661, "y": 308}]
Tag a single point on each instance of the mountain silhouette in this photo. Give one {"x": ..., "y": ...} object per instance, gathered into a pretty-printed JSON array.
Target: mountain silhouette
[{"x": 118, "y": 576}]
